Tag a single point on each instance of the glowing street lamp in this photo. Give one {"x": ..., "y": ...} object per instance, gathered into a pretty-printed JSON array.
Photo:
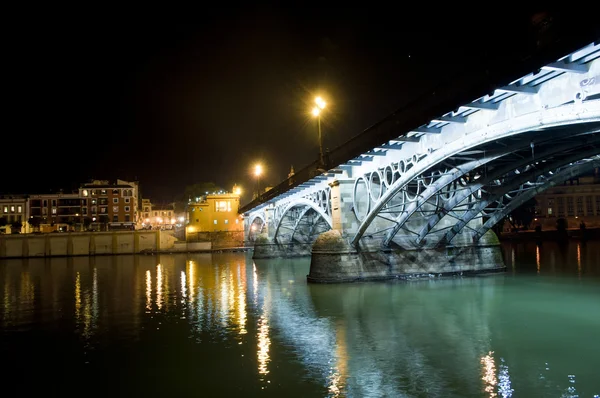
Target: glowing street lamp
[
  {"x": 317, "y": 113},
  {"x": 258, "y": 169}
]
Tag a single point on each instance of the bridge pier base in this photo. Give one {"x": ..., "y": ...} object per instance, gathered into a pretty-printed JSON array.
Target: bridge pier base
[
  {"x": 265, "y": 247},
  {"x": 334, "y": 260}
]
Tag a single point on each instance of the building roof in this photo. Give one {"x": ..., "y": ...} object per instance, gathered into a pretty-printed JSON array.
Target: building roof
[{"x": 107, "y": 186}]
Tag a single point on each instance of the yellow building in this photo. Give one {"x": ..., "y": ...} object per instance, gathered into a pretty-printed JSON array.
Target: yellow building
[{"x": 216, "y": 212}]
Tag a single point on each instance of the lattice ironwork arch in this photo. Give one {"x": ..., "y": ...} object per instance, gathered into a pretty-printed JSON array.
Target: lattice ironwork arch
[
  {"x": 546, "y": 156},
  {"x": 295, "y": 212},
  {"x": 546, "y": 118}
]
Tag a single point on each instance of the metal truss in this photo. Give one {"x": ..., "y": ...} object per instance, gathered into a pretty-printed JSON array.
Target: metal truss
[
  {"x": 411, "y": 176},
  {"x": 515, "y": 198},
  {"x": 460, "y": 203},
  {"x": 303, "y": 219}
]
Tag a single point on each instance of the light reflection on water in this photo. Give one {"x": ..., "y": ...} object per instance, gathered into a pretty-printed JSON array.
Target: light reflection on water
[{"x": 243, "y": 326}]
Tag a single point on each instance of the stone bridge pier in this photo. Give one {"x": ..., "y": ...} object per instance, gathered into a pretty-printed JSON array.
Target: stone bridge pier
[{"x": 335, "y": 259}]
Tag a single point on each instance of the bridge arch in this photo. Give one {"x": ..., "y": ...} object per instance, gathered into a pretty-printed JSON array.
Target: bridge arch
[
  {"x": 295, "y": 216},
  {"x": 256, "y": 225},
  {"x": 547, "y": 156},
  {"x": 570, "y": 114}
]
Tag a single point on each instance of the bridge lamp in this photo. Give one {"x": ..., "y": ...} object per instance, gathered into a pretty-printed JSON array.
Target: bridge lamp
[
  {"x": 317, "y": 113},
  {"x": 258, "y": 170},
  {"x": 237, "y": 191}
]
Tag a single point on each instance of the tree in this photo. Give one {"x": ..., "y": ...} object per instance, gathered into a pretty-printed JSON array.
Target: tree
[
  {"x": 194, "y": 191},
  {"x": 16, "y": 226},
  {"x": 35, "y": 222}
]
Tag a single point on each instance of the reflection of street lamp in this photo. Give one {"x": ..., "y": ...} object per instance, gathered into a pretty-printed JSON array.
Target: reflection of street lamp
[
  {"x": 257, "y": 172},
  {"x": 317, "y": 113}
]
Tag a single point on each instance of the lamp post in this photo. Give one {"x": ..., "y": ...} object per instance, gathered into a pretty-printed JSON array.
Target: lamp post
[
  {"x": 257, "y": 172},
  {"x": 317, "y": 113}
]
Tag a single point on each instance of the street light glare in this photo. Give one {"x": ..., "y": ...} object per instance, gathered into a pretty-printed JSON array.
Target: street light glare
[
  {"x": 320, "y": 103},
  {"x": 257, "y": 170},
  {"x": 316, "y": 111}
]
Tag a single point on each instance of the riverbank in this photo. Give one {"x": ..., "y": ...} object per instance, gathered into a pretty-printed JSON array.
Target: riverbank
[
  {"x": 104, "y": 243},
  {"x": 551, "y": 235}
]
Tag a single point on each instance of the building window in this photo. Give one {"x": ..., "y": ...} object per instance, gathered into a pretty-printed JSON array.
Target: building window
[
  {"x": 127, "y": 218},
  {"x": 103, "y": 192},
  {"x": 53, "y": 202},
  {"x": 115, "y": 209},
  {"x": 5, "y": 209},
  {"x": 127, "y": 209},
  {"x": 147, "y": 209},
  {"x": 570, "y": 207},
  {"x": 580, "y": 206},
  {"x": 84, "y": 211},
  {"x": 85, "y": 192},
  {"x": 116, "y": 218},
  {"x": 226, "y": 221},
  {"x": 115, "y": 191},
  {"x": 127, "y": 200},
  {"x": 560, "y": 202},
  {"x": 20, "y": 208},
  {"x": 45, "y": 203},
  {"x": 222, "y": 205},
  {"x": 12, "y": 208},
  {"x": 115, "y": 200},
  {"x": 237, "y": 221},
  {"x": 588, "y": 206},
  {"x": 215, "y": 222},
  {"x": 103, "y": 210},
  {"x": 54, "y": 210},
  {"x": 550, "y": 206},
  {"x": 155, "y": 214},
  {"x": 94, "y": 210}
]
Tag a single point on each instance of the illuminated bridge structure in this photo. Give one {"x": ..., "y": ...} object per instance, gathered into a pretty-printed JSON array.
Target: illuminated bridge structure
[{"x": 418, "y": 193}]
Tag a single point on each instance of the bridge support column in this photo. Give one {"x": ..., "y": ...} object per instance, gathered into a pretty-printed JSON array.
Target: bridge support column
[
  {"x": 334, "y": 260},
  {"x": 342, "y": 214}
]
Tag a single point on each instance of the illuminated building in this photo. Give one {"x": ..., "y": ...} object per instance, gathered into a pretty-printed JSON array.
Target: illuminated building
[{"x": 215, "y": 212}]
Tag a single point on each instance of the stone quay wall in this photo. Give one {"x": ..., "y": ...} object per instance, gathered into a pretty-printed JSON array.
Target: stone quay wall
[{"x": 91, "y": 244}]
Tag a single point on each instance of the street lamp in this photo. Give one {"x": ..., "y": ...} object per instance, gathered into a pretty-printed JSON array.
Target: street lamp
[
  {"x": 317, "y": 113},
  {"x": 257, "y": 172}
]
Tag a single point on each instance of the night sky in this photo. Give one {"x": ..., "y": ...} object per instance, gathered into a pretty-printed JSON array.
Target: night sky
[{"x": 201, "y": 96}]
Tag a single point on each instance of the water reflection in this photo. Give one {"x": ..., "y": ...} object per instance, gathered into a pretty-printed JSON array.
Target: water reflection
[
  {"x": 243, "y": 326},
  {"x": 489, "y": 375},
  {"x": 148, "y": 291},
  {"x": 159, "y": 287}
]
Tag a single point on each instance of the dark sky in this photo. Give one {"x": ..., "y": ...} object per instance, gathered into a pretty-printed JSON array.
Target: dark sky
[{"x": 201, "y": 96}]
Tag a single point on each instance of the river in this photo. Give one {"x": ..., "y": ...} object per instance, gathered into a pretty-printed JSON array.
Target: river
[{"x": 226, "y": 325}]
